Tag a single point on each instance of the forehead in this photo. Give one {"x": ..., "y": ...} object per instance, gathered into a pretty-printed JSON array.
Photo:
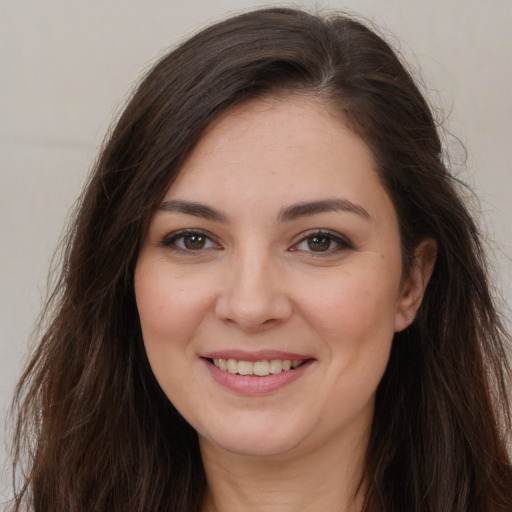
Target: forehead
[{"x": 278, "y": 150}]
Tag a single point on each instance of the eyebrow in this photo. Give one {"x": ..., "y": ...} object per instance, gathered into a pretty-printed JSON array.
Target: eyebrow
[
  {"x": 295, "y": 211},
  {"x": 287, "y": 214},
  {"x": 192, "y": 208}
]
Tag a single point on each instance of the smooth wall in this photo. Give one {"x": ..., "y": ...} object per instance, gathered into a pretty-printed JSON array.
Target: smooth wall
[{"x": 66, "y": 66}]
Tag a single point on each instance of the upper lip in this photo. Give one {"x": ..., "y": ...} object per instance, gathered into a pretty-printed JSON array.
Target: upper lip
[{"x": 260, "y": 355}]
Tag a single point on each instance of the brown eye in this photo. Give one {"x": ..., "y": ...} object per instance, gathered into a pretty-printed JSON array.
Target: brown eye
[
  {"x": 190, "y": 241},
  {"x": 319, "y": 243},
  {"x": 323, "y": 243},
  {"x": 194, "y": 242}
]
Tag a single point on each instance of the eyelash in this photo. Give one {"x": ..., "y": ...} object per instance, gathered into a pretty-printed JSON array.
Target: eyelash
[
  {"x": 341, "y": 243},
  {"x": 170, "y": 241}
]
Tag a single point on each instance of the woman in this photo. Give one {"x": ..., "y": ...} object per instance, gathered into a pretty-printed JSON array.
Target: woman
[{"x": 272, "y": 296}]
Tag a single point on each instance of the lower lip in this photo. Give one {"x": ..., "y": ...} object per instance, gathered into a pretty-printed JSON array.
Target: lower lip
[{"x": 253, "y": 384}]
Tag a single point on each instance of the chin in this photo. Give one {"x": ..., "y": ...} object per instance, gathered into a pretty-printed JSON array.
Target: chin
[{"x": 255, "y": 440}]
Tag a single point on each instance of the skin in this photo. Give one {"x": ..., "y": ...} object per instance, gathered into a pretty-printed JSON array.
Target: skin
[{"x": 257, "y": 279}]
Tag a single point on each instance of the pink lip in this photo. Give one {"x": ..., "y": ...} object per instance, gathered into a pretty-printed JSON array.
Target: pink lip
[
  {"x": 261, "y": 355},
  {"x": 254, "y": 385}
]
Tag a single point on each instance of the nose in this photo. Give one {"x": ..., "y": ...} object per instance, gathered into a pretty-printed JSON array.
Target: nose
[{"x": 253, "y": 296}]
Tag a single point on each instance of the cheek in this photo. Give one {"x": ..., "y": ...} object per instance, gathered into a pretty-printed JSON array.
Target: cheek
[
  {"x": 168, "y": 309},
  {"x": 352, "y": 306},
  {"x": 356, "y": 319},
  {"x": 168, "y": 313}
]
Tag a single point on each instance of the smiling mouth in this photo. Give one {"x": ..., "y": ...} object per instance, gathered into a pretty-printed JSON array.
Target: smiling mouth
[{"x": 257, "y": 368}]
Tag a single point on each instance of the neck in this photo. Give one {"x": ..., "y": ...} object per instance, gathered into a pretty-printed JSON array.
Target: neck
[{"x": 328, "y": 479}]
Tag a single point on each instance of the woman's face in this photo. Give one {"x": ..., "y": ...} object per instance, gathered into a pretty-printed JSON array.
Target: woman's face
[{"x": 277, "y": 246}]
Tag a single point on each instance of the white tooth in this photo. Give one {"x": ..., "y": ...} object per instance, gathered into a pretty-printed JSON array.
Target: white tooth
[
  {"x": 296, "y": 363},
  {"x": 232, "y": 365},
  {"x": 261, "y": 368},
  {"x": 287, "y": 364},
  {"x": 275, "y": 366},
  {"x": 245, "y": 367},
  {"x": 216, "y": 362}
]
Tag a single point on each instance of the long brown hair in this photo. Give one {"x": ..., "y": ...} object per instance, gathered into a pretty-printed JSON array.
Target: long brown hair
[{"x": 96, "y": 433}]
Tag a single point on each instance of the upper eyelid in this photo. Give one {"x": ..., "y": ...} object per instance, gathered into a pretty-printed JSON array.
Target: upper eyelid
[
  {"x": 175, "y": 235},
  {"x": 341, "y": 244},
  {"x": 325, "y": 232}
]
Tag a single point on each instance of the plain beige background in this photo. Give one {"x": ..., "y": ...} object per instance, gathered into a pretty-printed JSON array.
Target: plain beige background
[{"x": 67, "y": 65}]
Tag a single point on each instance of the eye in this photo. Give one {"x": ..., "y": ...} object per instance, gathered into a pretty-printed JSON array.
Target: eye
[
  {"x": 190, "y": 241},
  {"x": 322, "y": 243}
]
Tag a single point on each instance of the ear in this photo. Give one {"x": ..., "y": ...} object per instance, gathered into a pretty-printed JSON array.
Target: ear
[{"x": 415, "y": 283}]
